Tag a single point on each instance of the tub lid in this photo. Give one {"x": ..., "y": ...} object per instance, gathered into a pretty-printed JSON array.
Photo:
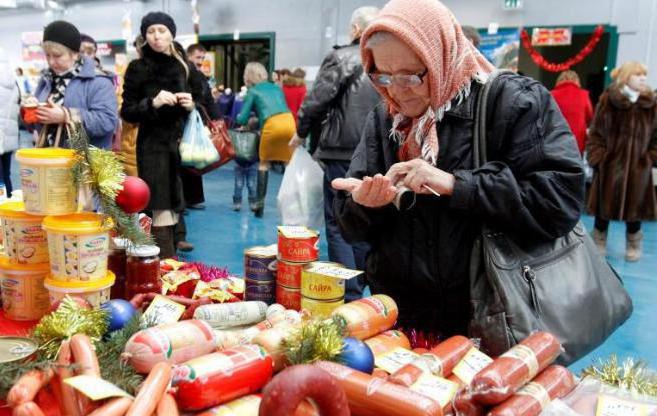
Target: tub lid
[
  {"x": 16, "y": 348},
  {"x": 16, "y": 209},
  {"x": 143, "y": 251},
  {"x": 8, "y": 265},
  {"x": 46, "y": 153},
  {"x": 106, "y": 281},
  {"x": 82, "y": 222}
]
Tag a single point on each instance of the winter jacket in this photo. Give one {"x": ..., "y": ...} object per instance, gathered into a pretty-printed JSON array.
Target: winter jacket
[
  {"x": 9, "y": 108},
  {"x": 294, "y": 95},
  {"x": 158, "y": 159},
  {"x": 266, "y": 99},
  {"x": 340, "y": 99},
  {"x": 91, "y": 98},
  {"x": 576, "y": 107},
  {"x": 622, "y": 149},
  {"x": 532, "y": 188}
]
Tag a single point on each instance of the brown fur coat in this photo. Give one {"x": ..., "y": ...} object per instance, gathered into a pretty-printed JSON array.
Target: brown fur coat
[{"x": 622, "y": 148}]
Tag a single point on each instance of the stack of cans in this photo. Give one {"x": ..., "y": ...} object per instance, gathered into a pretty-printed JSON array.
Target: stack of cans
[
  {"x": 323, "y": 287},
  {"x": 260, "y": 273},
  {"x": 297, "y": 247}
]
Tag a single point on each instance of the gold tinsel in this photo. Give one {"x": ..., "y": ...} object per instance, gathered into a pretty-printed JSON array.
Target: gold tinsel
[
  {"x": 315, "y": 340},
  {"x": 632, "y": 375},
  {"x": 69, "y": 319}
]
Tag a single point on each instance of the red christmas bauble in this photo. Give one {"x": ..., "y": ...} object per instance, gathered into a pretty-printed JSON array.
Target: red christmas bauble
[{"x": 134, "y": 196}]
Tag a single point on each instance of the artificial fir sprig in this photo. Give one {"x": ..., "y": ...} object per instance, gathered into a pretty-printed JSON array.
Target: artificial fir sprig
[
  {"x": 315, "y": 340},
  {"x": 632, "y": 375}
]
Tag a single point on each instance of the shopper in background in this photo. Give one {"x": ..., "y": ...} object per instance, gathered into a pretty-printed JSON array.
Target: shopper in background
[
  {"x": 23, "y": 83},
  {"x": 276, "y": 124},
  {"x": 73, "y": 82},
  {"x": 129, "y": 131},
  {"x": 159, "y": 92},
  {"x": 294, "y": 88},
  {"x": 279, "y": 75},
  {"x": 342, "y": 95},
  {"x": 622, "y": 149},
  {"x": 575, "y": 105},
  {"x": 532, "y": 188},
  {"x": 9, "y": 109}
]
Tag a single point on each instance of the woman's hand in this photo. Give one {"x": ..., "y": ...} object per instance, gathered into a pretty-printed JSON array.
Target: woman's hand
[
  {"x": 164, "y": 98},
  {"x": 185, "y": 100},
  {"x": 51, "y": 113},
  {"x": 421, "y": 177},
  {"x": 371, "y": 192},
  {"x": 296, "y": 141}
]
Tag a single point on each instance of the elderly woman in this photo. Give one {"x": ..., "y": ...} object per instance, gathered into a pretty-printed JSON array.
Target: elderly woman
[
  {"x": 73, "y": 83},
  {"x": 276, "y": 123},
  {"x": 421, "y": 138}
]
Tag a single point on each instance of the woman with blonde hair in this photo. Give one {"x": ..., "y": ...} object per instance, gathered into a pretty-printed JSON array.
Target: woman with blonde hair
[
  {"x": 276, "y": 124},
  {"x": 622, "y": 149}
]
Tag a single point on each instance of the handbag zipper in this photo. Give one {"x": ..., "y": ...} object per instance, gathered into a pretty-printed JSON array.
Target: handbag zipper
[
  {"x": 530, "y": 277},
  {"x": 556, "y": 255}
]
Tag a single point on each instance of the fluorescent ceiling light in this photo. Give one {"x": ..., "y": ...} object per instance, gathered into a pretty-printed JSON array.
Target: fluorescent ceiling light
[{"x": 8, "y": 3}]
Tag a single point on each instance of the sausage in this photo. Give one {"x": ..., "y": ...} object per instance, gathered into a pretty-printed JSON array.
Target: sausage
[
  {"x": 47, "y": 401},
  {"x": 513, "y": 369},
  {"x": 388, "y": 341},
  {"x": 69, "y": 402},
  {"x": 27, "y": 409},
  {"x": 290, "y": 387},
  {"x": 553, "y": 383},
  {"x": 84, "y": 355},
  {"x": 151, "y": 390},
  {"x": 379, "y": 373},
  {"x": 465, "y": 405},
  {"x": 228, "y": 315},
  {"x": 455, "y": 379},
  {"x": 367, "y": 317},
  {"x": 167, "y": 406},
  {"x": 191, "y": 309},
  {"x": 27, "y": 386},
  {"x": 371, "y": 396},
  {"x": 113, "y": 407},
  {"x": 439, "y": 361},
  {"x": 272, "y": 341}
]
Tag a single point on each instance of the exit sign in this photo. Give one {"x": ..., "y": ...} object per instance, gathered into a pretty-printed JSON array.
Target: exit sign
[{"x": 512, "y": 4}]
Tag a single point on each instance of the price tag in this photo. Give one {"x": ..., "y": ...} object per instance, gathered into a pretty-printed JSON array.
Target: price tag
[
  {"x": 95, "y": 388},
  {"x": 162, "y": 311},
  {"x": 395, "y": 359},
  {"x": 436, "y": 388},
  {"x": 612, "y": 406},
  {"x": 473, "y": 362}
]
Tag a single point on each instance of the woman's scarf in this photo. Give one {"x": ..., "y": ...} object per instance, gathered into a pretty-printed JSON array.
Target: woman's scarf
[{"x": 59, "y": 83}]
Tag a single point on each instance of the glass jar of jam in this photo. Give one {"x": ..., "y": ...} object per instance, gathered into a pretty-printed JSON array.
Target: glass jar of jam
[
  {"x": 143, "y": 270},
  {"x": 116, "y": 263}
]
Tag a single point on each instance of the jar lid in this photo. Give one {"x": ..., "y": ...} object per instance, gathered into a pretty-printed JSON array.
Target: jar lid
[
  {"x": 82, "y": 222},
  {"x": 143, "y": 251},
  {"x": 16, "y": 209},
  {"x": 46, "y": 153},
  {"x": 8, "y": 265},
  {"x": 118, "y": 243},
  {"x": 88, "y": 285}
]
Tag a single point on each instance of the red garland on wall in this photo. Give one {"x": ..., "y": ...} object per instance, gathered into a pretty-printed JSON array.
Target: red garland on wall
[{"x": 552, "y": 67}]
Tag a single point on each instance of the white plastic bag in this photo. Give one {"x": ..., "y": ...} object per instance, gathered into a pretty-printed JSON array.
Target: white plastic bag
[
  {"x": 301, "y": 196},
  {"x": 196, "y": 148}
]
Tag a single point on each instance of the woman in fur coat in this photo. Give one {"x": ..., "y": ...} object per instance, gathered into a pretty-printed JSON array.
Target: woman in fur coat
[{"x": 622, "y": 149}]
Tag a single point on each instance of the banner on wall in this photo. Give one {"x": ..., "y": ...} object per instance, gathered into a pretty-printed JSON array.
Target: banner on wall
[
  {"x": 561, "y": 36},
  {"x": 501, "y": 48},
  {"x": 31, "y": 47}
]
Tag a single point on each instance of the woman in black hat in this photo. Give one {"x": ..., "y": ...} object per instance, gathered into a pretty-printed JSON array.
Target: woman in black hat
[{"x": 160, "y": 89}]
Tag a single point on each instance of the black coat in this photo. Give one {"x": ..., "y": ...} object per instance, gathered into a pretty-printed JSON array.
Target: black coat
[
  {"x": 160, "y": 130},
  {"x": 340, "y": 99},
  {"x": 533, "y": 188}
]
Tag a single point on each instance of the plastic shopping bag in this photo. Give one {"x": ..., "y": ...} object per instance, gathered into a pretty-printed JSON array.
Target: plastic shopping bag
[
  {"x": 301, "y": 196},
  {"x": 196, "y": 148}
]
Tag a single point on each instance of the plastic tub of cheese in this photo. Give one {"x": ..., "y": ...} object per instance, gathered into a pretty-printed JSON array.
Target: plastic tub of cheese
[
  {"x": 24, "y": 239},
  {"x": 47, "y": 181},
  {"x": 24, "y": 298},
  {"x": 78, "y": 245},
  {"x": 95, "y": 292}
]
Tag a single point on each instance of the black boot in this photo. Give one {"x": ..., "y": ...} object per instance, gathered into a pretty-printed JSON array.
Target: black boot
[
  {"x": 164, "y": 239},
  {"x": 261, "y": 190}
]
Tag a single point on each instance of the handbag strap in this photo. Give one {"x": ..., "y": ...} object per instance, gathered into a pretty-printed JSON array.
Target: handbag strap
[{"x": 43, "y": 134}]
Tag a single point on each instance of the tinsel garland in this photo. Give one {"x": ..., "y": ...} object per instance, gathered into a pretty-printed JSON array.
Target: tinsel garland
[
  {"x": 552, "y": 67},
  {"x": 632, "y": 375},
  {"x": 315, "y": 340}
]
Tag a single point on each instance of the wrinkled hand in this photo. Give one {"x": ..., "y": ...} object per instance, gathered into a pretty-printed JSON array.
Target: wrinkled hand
[
  {"x": 185, "y": 100},
  {"x": 51, "y": 114},
  {"x": 421, "y": 177},
  {"x": 164, "y": 98},
  {"x": 296, "y": 141},
  {"x": 371, "y": 192}
]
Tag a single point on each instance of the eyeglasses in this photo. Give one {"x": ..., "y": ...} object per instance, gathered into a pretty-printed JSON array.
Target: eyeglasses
[{"x": 401, "y": 80}]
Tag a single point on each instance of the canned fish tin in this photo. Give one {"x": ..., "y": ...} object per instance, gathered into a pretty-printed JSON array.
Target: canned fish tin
[
  {"x": 260, "y": 263},
  {"x": 262, "y": 291},
  {"x": 16, "y": 349},
  {"x": 298, "y": 244},
  {"x": 289, "y": 274},
  {"x": 288, "y": 297},
  {"x": 325, "y": 280},
  {"x": 320, "y": 308}
]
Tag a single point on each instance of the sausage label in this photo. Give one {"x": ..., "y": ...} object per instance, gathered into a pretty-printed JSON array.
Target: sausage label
[
  {"x": 430, "y": 363},
  {"x": 612, "y": 406},
  {"x": 473, "y": 362},
  {"x": 526, "y": 355},
  {"x": 95, "y": 388},
  {"x": 537, "y": 392},
  {"x": 436, "y": 388},
  {"x": 395, "y": 359}
]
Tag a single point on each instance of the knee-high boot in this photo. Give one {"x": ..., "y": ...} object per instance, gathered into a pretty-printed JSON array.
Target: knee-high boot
[
  {"x": 164, "y": 239},
  {"x": 261, "y": 188}
]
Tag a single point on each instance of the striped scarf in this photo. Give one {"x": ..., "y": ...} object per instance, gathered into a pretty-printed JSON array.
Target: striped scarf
[{"x": 59, "y": 83}]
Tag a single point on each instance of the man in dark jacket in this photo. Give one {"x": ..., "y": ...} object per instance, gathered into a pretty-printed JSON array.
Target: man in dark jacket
[{"x": 340, "y": 99}]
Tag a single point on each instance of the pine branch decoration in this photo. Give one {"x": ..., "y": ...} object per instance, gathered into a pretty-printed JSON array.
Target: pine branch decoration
[
  {"x": 315, "y": 340},
  {"x": 631, "y": 375}
]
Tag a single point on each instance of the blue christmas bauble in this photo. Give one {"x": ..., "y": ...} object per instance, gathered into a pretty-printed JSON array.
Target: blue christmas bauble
[
  {"x": 357, "y": 355},
  {"x": 120, "y": 313}
]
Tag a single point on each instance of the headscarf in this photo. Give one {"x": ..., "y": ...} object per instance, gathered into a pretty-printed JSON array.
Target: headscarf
[{"x": 453, "y": 63}]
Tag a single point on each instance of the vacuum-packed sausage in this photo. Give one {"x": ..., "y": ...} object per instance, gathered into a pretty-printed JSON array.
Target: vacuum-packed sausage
[
  {"x": 388, "y": 341},
  {"x": 367, "y": 317},
  {"x": 151, "y": 391}
]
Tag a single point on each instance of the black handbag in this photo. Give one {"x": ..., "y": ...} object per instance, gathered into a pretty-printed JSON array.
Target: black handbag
[
  {"x": 246, "y": 145},
  {"x": 562, "y": 286}
]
